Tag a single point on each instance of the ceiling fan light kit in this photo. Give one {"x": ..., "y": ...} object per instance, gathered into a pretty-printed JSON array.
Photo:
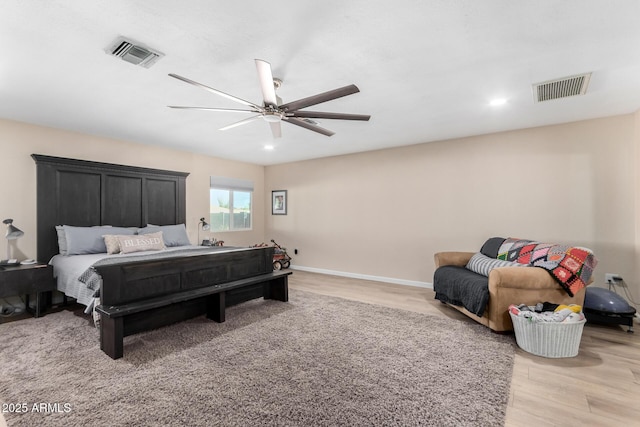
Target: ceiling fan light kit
[
  {"x": 273, "y": 111},
  {"x": 272, "y": 117}
]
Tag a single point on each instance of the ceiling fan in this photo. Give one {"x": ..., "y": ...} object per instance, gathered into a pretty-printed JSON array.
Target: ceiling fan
[{"x": 274, "y": 111}]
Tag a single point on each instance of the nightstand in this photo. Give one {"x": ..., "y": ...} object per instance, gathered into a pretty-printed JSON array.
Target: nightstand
[{"x": 25, "y": 280}]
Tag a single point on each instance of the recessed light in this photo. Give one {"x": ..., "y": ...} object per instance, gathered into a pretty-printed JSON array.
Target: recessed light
[
  {"x": 498, "y": 102},
  {"x": 268, "y": 147}
]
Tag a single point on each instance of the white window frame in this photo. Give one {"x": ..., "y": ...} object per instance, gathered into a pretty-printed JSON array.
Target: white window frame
[{"x": 231, "y": 185}]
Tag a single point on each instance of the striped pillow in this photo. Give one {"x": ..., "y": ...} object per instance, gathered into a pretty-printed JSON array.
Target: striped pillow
[{"x": 482, "y": 264}]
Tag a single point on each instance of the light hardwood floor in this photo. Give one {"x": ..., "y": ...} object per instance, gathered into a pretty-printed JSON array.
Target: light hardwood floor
[{"x": 599, "y": 387}]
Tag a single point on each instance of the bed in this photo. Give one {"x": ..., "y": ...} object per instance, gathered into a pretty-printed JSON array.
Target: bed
[
  {"x": 84, "y": 195},
  {"x": 70, "y": 271}
]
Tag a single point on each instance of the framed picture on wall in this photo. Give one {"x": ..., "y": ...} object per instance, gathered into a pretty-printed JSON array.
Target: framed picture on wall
[{"x": 279, "y": 202}]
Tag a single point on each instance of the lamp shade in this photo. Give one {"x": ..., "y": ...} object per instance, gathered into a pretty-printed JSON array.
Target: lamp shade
[
  {"x": 205, "y": 224},
  {"x": 12, "y": 231}
]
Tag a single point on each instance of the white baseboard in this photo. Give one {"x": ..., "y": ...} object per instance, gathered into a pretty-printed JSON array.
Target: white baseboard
[{"x": 365, "y": 277}]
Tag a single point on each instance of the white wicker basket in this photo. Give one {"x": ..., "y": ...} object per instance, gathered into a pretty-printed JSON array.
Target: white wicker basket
[{"x": 548, "y": 339}]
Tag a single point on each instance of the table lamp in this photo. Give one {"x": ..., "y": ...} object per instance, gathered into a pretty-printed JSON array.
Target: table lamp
[
  {"x": 204, "y": 225},
  {"x": 13, "y": 233}
]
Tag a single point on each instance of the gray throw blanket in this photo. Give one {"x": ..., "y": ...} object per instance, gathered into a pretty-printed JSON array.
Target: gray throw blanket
[{"x": 459, "y": 286}]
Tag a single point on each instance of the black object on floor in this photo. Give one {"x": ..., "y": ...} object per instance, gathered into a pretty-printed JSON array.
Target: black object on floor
[{"x": 606, "y": 307}]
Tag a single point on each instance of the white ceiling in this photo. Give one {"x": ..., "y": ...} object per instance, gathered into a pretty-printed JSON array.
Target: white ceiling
[{"x": 426, "y": 69}]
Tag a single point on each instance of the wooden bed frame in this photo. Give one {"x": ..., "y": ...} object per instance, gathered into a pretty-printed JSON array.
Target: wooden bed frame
[{"x": 143, "y": 295}]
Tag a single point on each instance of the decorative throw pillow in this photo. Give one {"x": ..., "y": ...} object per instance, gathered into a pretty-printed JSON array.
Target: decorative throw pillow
[
  {"x": 112, "y": 243},
  {"x": 173, "y": 235},
  {"x": 138, "y": 243},
  {"x": 492, "y": 246},
  {"x": 482, "y": 264}
]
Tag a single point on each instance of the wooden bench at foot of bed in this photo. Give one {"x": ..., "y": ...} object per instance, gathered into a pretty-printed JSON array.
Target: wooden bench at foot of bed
[{"x": 116, "y": 319}]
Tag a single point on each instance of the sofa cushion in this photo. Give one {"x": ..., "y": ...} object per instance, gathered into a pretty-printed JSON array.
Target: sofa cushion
[
  {"x": 492, "y": 246},
  {"x": 482, "y": 264},
  {"x": 459, "y": 286}
]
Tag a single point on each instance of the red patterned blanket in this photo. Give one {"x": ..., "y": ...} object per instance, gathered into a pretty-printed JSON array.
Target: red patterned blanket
[{"x": 571, "y": 266}]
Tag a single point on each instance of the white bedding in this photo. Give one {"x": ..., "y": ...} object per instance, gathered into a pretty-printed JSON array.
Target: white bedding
[{"x": 67, "y": 270}]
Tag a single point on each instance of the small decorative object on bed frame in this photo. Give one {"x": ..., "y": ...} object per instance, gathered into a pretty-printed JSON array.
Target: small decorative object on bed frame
[{"x": 279, "y": 202}]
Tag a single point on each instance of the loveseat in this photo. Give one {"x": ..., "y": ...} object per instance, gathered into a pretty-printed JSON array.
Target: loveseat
[{"x": 511, "y": 271}]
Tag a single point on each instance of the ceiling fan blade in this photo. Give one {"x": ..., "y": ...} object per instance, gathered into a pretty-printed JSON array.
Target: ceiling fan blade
[
  {"x": 320, "y": 98},
  {"x": 228, "y": 110},
  {"x": 266, "y": 82},
  {"x": 217, "y": 92},
  {"x": 276, "y": 129},
  {"x": 323, "y": 115},
  {"x": 241, "y": 122},
  {"x": 302, "y": 123}
]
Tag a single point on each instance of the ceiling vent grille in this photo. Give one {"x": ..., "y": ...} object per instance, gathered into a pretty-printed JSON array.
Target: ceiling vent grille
[
  {"x": 561, "y": 88},
  {"x": 134, "y": 52}
]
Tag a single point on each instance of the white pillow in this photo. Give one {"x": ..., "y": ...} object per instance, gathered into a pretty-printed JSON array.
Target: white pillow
[{"x": 62, "y": 240}]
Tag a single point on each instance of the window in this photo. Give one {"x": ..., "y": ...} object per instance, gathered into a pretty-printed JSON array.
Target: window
[{"x": 230, "y": 204}]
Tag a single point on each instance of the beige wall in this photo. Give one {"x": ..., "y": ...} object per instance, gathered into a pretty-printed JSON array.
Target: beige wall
[
  {"x": 18, "y": 176},
  {"x": 637, "y": 207},
  {"x": 385, "y": 213}
]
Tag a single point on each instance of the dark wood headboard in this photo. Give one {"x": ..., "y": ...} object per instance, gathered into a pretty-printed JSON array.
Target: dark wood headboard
[{"x": 85, "y": 193}]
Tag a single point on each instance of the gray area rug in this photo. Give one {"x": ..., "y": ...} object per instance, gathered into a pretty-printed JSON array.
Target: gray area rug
[{"x": 314, "y": 361}]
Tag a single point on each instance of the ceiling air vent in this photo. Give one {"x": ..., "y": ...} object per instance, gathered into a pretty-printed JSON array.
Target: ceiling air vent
[
  {"x": 134, "y": 52},
  {"x": 561, "y": 88}
]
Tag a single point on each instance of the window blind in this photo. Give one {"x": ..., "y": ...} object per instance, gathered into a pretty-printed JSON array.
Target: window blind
[{"x": 227, "y": 183}]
